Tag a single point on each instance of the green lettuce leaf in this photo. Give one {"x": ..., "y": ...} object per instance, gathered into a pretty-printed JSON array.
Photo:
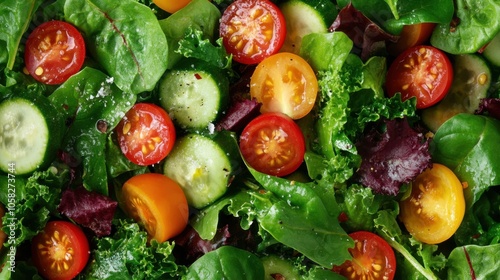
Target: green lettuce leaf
[
  {"x": 129, "y": 255},
  {"x": 480, "y": 261}
]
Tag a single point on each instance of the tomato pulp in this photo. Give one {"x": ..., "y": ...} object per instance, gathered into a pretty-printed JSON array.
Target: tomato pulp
[
  {"x": 156, "y": 202},
  {"x": 55, "y": 51},
  {"x": 286, "y": 83},
  {"x": 252, "y": 30},
  {"x": 423, "y": 72},
  {"x": 146, "y": 134},
  {"x": 60, "y": 251},
  {"x": 273, "y": 144},
  {"x": 372, "y": 258}
]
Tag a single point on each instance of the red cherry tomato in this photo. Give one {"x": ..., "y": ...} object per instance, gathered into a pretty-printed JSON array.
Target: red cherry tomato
[
  {"x": 423, "y": 72},
  {"x": 412, "y": 35},
  {"x": 372, "y": 258},
  {"x": 55, "y": 50},
  {"x": 146, "y": 134},
  {"x": 252, "y": 30},
  {"x": 60, "y": 251},
  {"x": 273, "y": 144}
]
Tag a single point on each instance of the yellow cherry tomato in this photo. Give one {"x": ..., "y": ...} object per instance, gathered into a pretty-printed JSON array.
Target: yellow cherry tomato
[
  {"x": 434, "y": 210},
  {"x": 171, "y": 6},
  {"x": 156, "y": 202}
]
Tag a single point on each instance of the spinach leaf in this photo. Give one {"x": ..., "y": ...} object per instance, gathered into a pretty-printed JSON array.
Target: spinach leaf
[
  {"x": 467, "y": 144},
  {"x": 480, "y": 261},
  {"x": 227, "y": 262},
  {"x": 393, "y": 15},
  {"x": 94, "y": 105},
  {"x": 197, "y": 15},
  {"x": 476, "y": 24},
  {"x": 15, "y": 17},
  {"x": 125, "y": 38}
]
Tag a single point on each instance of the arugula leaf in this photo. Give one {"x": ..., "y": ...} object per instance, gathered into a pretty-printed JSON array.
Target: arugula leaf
[
  {"x": 95, "y": 106},
  {"x": 466, "y": 144},
  {"x": 125, "y": 38}
]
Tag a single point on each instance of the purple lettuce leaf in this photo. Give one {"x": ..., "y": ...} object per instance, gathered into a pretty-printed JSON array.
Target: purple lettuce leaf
[
  {"x": 88, "y": 209},
  {"x": 393, "y": 157},
  {"x": 489, "y": 106}
]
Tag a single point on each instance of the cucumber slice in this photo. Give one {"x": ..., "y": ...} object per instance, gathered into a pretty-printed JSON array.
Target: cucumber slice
[
  {"x": 274, "y": 265},
  {"x": 30, "y": 133},
  {"x": 304, "y": 17},
  {"x": 471, "y": 81},
  {"x": 194, "y": 94},
  {"x": 203, "y": 166},
  {"x": 492, "y": 51}
]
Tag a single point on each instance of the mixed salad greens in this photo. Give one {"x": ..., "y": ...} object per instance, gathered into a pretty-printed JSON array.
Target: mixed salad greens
[{"x": 303, "y": 218}]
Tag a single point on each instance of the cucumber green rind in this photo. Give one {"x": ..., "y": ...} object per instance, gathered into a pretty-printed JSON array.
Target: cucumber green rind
[
  {"x": 492, "y": 51},
  {"x": 203, "y": 166},
  {"x": 304, "y": 17},
  {"x": 194, "y": 93},
  {"x": 31, "y": 131}
]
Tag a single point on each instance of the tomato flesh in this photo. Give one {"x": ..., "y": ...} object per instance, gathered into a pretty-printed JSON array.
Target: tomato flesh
[
  {"x": 286, "y": 83},
  {"x": 273, "y": 144},
  {"x": 423, "y": 72},
  {"x": 252, "y": 30},
  {"x": 171, "y": 6},
  {"x": 372, "y": 258},
  {"x": 146, "y": 134},
  {"x": 157, "y": 203},
  {"x": 55, "y": 51},
  {"x": 60, "y": 251},
  {"x": 411, "y": 35},
  {"x": 435, "y": 209}
]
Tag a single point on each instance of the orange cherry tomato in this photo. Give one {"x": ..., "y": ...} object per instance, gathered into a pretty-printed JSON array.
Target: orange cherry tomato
[
  {"x": 273, "y": 144},
  {"x": 60, "y": 251},
  {"x": 55, "y": 50},
  {"x": 171, "y": 6},
  {"x": 423, "y": 72},
  {"x": 146, "y": 134},
  {"x": 372, "y": 258},
  {"x": 435, "y": 209},
  {"x": 286, "y": 83},
  {"x": 412, "y": 35},
  {"x": 252, "y": 30},
  {"x": 156, "y": 202}
]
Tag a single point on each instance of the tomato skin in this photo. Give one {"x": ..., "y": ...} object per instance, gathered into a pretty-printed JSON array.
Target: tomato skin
[
  {"x": 64, "y": 239},
  {"x": 423, "y": 72},
  {"x": 286, "y": 83},
  {"x": 411, "y": 35},
  {"x": 146, "y": 134},
  {"x": 156, "y": 202},
  {"x": 436, "y": 207},
  {"x": 273, "y": 144},
  {"x": 373, "y": 258},
  {"x": 252, "y": 30},
  {"x": 171, "y": 6},
  {"x": 55, "y": 50}
]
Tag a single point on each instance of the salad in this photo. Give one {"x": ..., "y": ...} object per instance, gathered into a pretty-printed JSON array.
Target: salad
[{"x": 249, "y": 139}]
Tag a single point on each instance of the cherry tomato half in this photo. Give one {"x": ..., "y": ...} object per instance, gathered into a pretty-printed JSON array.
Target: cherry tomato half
[
  {"x": 286, "y": 83},
  {"x": 411, "y": 35},
  {"x": 373, "y": 258},
  {"x": 252, "y": 30},
  {"x": 156, "y": 202},
  {"x": 60, "y": 251},
  {"x": 55, "y": 50},
  {"x": 146, "y": 134},
  {"x": 423, "y": 72},
  {"x": 435, "y": 209},
  {"x": 171, "y": 6},
  {"x": 273, "y": 144}
]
